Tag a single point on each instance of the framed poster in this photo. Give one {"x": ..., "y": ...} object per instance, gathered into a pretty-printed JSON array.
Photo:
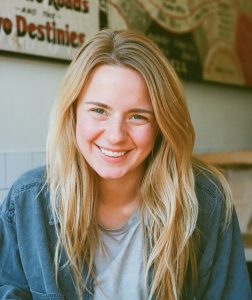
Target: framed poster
[
  {"x": 50, "y": 28},
  {"x": 204, "y": 40}
]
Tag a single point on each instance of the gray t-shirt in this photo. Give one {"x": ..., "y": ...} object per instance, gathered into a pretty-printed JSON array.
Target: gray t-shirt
[{"x": 119, "y": 271}]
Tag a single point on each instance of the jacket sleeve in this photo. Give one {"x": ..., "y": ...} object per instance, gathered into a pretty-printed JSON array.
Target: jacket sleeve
[
  {"x": 223, "y": 273},
  {"x": 13, "y": 284}
]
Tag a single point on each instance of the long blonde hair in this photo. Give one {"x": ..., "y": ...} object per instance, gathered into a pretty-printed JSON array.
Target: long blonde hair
[{"x": 170, "y": 206}]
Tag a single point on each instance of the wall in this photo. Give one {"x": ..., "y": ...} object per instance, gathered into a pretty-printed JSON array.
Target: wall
[
  {"x": 28, "y": 88},
  {"x": 221, "y": 114}
]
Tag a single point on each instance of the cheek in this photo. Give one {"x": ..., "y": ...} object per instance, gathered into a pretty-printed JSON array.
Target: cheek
[
  {"x": 145, "y": 139},
  {"x": 80, "y": 132},
  {"x": 84, "y": 133}
]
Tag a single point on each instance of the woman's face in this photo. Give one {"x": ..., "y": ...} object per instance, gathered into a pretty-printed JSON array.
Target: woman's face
[{"x": 116, "y": 126}]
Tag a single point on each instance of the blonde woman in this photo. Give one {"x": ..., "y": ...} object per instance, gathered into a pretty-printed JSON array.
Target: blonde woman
[{"x": 122, "y": 210}]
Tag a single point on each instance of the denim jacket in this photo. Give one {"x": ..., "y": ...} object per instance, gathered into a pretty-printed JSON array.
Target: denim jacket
[{"x": 27, "y": 243}]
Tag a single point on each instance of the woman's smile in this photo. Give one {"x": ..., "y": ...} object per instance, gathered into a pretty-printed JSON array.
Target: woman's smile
[{"x": 112, "y": 153}]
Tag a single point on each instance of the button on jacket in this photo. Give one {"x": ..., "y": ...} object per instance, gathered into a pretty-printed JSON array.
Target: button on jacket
[{"x": 28, "y": 238}]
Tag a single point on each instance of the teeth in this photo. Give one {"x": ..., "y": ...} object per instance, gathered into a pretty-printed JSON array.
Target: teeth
[{"x": 111, "y": 153}]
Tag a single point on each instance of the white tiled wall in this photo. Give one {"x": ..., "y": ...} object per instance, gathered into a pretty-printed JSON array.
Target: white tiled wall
[
  {"x": 16, "y": 164},
  {"x": 2, "y": 171},
  {"x": 12, "y": 165}
]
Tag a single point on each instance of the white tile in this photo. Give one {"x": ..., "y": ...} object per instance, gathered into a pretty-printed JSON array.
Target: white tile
[
  {"x": 2, "y": 171},
  {"x": 3, "y": 193},
  {"x": 17, "y": 164},
  {"x": 38, "y": 159}
]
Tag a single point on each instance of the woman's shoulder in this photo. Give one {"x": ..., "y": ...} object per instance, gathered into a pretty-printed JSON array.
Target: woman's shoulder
[
  {"x": 211, "y": 186},
  {"x": 214, "y": 200},
  {"x": 208, "y": 188},
  {"x": 29, "y": 179},
  {"x": 28, "y": 187}
]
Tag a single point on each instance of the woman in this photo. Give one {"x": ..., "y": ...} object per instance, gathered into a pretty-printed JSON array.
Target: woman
[{"x": 123, "y": 211}]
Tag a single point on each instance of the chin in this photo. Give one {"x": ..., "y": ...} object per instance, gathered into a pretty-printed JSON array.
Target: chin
[{"x": 111, "y": 175}]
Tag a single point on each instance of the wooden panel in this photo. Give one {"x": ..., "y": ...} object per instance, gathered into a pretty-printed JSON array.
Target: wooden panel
[{"x": 227, "y": 158}]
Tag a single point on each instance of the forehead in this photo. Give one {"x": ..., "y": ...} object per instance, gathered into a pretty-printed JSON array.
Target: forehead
[
  {"x": 118, "y": 84},
  {"x": 105, "y": 73}
]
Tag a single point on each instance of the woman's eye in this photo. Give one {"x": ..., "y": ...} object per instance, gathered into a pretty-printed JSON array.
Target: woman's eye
[
  {"x": 98, "y": 110},
  {"x": 139, "y": 117}
]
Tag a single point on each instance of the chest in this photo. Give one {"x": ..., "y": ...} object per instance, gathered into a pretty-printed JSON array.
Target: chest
[{"x": 119, "y": 262}]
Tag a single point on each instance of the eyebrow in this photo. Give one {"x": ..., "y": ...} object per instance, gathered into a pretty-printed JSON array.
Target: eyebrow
[
  {"x": 97, "y": 103},
  {"x": 141, "y": 110},
  {"x": 133, "y": 110}
]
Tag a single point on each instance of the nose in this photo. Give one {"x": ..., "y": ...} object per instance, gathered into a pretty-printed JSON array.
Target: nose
[{"x": 116, "y": 131}]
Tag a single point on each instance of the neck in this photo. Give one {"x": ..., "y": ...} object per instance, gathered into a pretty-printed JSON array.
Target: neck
[
  {"x": 117, "y": 200},
  {"x": 118, "y": 192}
]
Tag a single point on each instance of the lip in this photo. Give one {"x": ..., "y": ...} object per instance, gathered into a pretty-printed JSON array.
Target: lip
[{"x": 111, "y": 158}]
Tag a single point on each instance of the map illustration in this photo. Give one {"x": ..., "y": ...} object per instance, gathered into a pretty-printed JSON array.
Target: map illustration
[{"x": 204, "y": 40}]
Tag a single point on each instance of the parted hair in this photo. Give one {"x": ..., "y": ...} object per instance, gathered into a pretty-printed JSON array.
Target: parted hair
[{"x": 169, "y": 204}]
